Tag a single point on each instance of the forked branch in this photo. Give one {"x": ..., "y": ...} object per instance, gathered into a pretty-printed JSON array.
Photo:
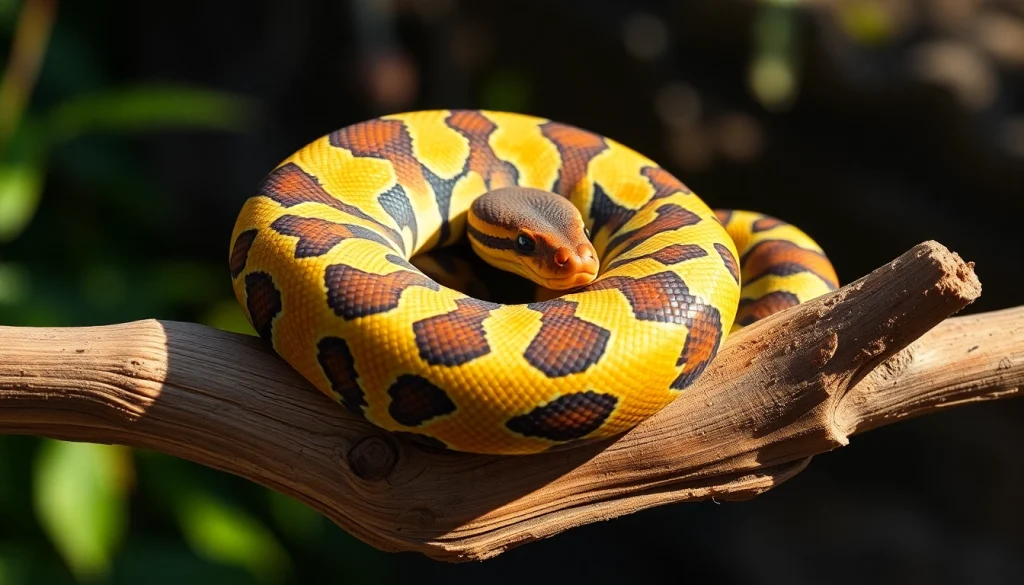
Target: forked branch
[{"x": 787, "y": 388}]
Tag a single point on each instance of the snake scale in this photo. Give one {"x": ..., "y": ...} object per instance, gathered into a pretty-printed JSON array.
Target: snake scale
[{"x": 323, "y": 263}]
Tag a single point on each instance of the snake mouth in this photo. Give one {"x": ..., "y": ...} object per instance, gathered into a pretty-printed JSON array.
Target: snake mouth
[
  {"x": 575, "y": 280},
  {"x": 572, "y": 281}
]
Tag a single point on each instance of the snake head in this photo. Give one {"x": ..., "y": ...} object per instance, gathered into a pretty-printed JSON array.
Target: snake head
[{"x": 536, "y": 234}]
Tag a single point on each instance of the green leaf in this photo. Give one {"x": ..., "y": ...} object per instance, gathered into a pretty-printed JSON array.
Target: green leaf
[
  {"x": 229, "y": 535},
  {"x": 80, "y": 501},
  {"x": 21, "y": 187},
  {"x": 144, "y": 108}
]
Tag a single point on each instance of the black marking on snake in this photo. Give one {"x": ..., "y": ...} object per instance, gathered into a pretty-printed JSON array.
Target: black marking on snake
[
  {"x": 565, "y": 343},
  {"x": 318, "y": 236},
  {"x": 415, "y": 400},
  {"x": 494, "y": 242},
  {"x": 456, "y": 337},
  {"x": 401, "y": 262},
  {"x": 443, "y": 196},
  {"x": 705, "y": 334},
  {"x": 605, "y": 213},
  {"x": 263, "y": 301},
  {"x": 354, "y": 293},
  {"x": 336, "y": 360},
  {"x": 240, "y": 251},
  {"x": 566, "y": 418},
  {"x": 395, "y": 202}
]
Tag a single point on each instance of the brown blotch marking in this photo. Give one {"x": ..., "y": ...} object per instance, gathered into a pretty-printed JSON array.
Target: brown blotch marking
[
  {"x": 354, "y": 293},
  {"x": 566, "y": 418},
  {"x": 565, "y": 343},
  {"x": 782, "y": 258},
  {"x": 766, "y": 223},
  {"x": 415, "y": 400},
  {"x": 336, "y": 360},
  {"x": 702, "y": 340},
  {"x": 661, "y": 297},
  {"x": 240, "y": 251},
  {"x": 729, "y": 260},
  {"x": 457, "y": 337},
  {"x": 751, "y": 310},
  {"x": 668, "y": 255},
  {"x": 664, "y": 183},
  {"x": 289, "y": 185},
  {"x": 390, "y": 140},
  {"x": 263, "y": 301},
  {"x": 724, "y": 216},
  {"x": 477, "y": 130},
  {"x": 669, "y": 217},
  {"x": 384, "y": 139},
  {"x": 318, "y": 236},
  {"x": 577, "y": 148}
]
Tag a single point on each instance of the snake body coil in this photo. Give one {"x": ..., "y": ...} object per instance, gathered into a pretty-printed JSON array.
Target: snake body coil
[{"x": 320, "y": 261}]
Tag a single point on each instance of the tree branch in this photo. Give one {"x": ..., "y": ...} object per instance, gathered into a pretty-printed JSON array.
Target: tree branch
[{"x": 780, "y": 391}]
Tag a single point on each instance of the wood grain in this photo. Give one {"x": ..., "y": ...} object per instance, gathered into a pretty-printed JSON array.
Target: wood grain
[{"x": 789, "y": 387}]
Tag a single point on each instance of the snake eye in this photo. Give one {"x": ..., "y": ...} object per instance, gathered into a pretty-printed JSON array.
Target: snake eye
[
  {"x": 586, "y": 233},
  {"x": 525, "y": 245}
]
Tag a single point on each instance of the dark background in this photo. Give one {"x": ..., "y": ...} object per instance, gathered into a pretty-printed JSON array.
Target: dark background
[{"x": 873, "y": 125}]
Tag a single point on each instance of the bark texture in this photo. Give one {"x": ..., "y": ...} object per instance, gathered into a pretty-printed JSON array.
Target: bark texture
[{"x": 791, "y": 386}]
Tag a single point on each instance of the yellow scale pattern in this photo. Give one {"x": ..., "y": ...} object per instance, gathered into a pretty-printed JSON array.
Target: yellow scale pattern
[{"x": 639, "y": 362}]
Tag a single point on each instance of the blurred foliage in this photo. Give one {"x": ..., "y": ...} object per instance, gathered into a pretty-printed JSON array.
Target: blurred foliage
[
  {"x": 81, "y": 492},
  {"x": 80, "y": 500},
  {"x": 773, "y": 68}
]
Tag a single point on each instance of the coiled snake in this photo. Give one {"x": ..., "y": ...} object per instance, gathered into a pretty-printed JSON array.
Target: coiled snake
[{"x": 320, "y": 261}]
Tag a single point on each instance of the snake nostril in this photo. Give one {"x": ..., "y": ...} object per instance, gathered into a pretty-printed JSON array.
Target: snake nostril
[
  {"x": 586, "y": 254},
  {"x": 562, "y": 256}
]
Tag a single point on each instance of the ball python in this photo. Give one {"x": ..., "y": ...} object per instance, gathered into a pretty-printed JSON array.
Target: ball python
[{"x": 641, "y": 279}]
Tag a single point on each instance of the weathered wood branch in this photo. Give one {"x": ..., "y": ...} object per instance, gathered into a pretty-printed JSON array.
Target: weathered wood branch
[{"x": 787, "y": 388}]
